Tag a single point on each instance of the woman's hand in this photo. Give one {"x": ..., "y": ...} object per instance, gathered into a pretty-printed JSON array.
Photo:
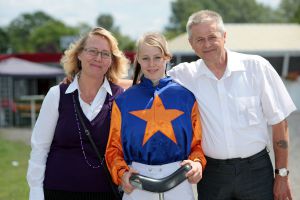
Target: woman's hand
[
  {"x": 195, "y": 174},
  {"x": 126, "y": 186}
]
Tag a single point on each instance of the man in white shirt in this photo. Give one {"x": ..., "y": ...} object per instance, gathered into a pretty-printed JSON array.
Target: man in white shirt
[{"x": 238, "y": 95}]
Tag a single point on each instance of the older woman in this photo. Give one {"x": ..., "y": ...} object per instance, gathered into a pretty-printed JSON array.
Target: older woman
[{"x": 63, "y": 164}]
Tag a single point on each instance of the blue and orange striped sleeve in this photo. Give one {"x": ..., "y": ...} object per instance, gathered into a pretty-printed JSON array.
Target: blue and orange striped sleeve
[{"x": 114, "y": 156}]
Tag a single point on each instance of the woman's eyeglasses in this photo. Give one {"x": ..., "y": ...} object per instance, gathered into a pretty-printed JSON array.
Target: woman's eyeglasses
[{"x": 94, "y": 53}]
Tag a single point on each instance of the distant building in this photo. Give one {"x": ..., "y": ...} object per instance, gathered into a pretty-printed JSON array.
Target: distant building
[
  {"x": 21, "y": 78},
  {"x": 278, "y": 43},
  {"x": 24, "y": 77}
]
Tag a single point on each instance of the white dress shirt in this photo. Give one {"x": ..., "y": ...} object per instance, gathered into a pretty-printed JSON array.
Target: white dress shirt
[
  {"x": 44, "y": 128},
  {"x": 236, "y": 109}
]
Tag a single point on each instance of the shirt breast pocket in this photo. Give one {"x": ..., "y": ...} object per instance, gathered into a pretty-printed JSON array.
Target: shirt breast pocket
[{"x": 248, "y": 111}]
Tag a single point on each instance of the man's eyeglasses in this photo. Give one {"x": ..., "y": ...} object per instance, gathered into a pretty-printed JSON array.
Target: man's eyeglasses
[{"x": 94, "y": 52}]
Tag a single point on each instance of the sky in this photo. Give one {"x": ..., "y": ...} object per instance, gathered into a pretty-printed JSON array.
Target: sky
[{"x": 133, "y": 17}]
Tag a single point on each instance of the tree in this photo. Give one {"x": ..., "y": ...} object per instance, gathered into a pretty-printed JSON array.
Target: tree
[
  {"x": 46, "y": 38},
  {"x": 125, "y": 42},
  {"x": 107, "y": 21},
  {"x": 181, "y": 9},
  {"x": 21, "y": 27},
  {"x": 4, "y": 41},
  {"x": 83, "y": 28},
  {"x": 296, "y": 17},
  {"x": 37, "y": 32},
  {"x": 290, "y": 10},
  {"x": 232, "y": 11}
]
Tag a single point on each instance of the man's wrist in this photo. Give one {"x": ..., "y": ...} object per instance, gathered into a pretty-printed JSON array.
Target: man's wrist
[{"x": 283, "y": 172}]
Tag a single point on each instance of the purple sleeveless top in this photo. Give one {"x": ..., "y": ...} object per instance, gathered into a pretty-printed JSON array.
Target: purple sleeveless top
[{"x": 72, "y": 164}]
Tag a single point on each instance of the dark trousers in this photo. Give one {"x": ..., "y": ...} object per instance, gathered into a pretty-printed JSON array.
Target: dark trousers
[
  {"x": 238, "y": 179},
  {"x": 66, "y": 195}
]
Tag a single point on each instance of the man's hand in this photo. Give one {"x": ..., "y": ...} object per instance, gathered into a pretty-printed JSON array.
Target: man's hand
[
  {"x": 195, "y": 174},
  {"x": 282, "y": 188}
]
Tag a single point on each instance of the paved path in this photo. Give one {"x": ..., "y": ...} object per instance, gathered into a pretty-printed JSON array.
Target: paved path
[
  {"x": 23, "y": 135},
  {"x": 16, "y": 134}
]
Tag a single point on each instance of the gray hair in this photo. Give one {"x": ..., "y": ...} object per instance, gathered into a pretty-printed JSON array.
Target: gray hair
[{"x": 205, "y": 16}]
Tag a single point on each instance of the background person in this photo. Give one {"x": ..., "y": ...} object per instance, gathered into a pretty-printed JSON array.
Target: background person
[
  {"x": 155, "y": 125},
  {"x": 238, "y": 95},
  {"x": 63, "y": 164}
]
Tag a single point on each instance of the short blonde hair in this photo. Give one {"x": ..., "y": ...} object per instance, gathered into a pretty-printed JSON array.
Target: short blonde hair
[{"x": 120, "y": 63}]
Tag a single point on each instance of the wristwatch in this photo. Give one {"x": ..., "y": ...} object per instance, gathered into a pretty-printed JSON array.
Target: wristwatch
[{"x": 282, "y": 172}]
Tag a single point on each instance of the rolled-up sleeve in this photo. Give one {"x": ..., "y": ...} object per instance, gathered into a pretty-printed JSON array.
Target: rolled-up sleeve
[
  {"x": 276, "y": 101},
  {"x": 41, "y": 140}
]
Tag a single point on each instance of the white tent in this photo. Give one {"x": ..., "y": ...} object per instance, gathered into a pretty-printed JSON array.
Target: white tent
[
  {"x": 20, "y": 78},
  {"x": 19, "y": 67}
]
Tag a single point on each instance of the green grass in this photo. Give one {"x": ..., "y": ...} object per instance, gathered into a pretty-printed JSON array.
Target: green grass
[{"x": 13, "y": 184}]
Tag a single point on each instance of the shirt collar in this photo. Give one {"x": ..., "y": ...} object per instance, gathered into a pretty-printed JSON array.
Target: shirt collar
[
  {"x": 74, "y": 86},
  {"x": 148, "y": 83},
  {"x": 233, "y": 64},
  {"x": 106, "y": 86}
]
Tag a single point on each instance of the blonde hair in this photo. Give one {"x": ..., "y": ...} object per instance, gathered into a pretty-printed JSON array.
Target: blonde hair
[
  {"x": 204, "y": 16},
  {"x": 72, "y": 64},
  {"x": 154, "y": 40}
]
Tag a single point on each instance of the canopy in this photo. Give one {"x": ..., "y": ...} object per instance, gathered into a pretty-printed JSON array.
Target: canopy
[{"x": 23, "y": 68}]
